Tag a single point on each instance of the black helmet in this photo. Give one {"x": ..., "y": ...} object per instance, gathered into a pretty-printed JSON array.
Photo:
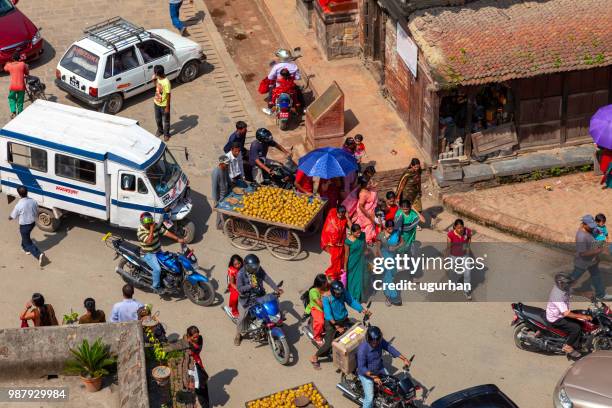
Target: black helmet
[
  {"x": 563, "y": 281},
  {"x": 374, "y": 335},
  {"x": 263, "y": 135},
  {"x": 336, "y": 288},
  {"x": 251, "y": 263}
]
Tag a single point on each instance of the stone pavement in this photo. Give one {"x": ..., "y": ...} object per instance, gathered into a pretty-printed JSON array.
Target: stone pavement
[{"x": 532, "y": 211}]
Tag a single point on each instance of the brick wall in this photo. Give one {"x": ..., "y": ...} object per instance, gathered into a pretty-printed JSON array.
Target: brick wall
[{"x": 337, "y": 33}]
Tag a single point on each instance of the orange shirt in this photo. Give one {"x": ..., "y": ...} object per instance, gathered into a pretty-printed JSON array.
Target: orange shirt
[{"x": 17, "y": 70}]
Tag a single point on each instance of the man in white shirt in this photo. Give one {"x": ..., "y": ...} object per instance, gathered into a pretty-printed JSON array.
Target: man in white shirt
[
  {"x": 127, "y": 309},
  {"x": 286, "y": 62},
  {"x": 236, "y": 164},
  {"x": 26, "y": 213}
]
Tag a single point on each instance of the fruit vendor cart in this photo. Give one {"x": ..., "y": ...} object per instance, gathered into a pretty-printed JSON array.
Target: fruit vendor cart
[
  {"x": 268, "y": 216},
  {"x": 304, "y": 396}
]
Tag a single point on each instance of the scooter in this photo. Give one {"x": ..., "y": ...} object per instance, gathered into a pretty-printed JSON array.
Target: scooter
[
  {"x": 284, "y": 110},
  {"x": 395, "y": 391},
  {"x": 179, "y": 271},
  {"x": 532, "y": 332},
  {"x": 282, "y": 175},
  {"x": 265, "y": 325}
]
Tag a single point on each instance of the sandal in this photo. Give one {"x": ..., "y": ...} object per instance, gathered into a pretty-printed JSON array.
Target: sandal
[{"x": 316, "y": 365}]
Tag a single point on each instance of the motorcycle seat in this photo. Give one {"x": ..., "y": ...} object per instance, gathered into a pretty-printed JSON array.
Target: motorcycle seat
[
  {"x": 536, "y": 314},
  {"x": 131, "y": 248}
]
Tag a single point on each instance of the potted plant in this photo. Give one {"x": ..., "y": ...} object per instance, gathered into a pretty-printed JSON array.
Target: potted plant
[
  {"x": 91, "y": 363},
  {"x": 71, "y": 318},
  {"x": 161, "y": 373}
]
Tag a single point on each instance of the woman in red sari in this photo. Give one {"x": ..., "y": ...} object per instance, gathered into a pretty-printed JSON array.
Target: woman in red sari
[{"x": 332, "y": 240}]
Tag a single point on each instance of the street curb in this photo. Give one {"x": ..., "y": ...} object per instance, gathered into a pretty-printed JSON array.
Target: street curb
[
  {"x": 256, "y": 118},
  {"x": 490, "y": 217}
]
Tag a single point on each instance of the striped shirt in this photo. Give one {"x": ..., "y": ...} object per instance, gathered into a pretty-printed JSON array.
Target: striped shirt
[{"x": 143, "y": 234}]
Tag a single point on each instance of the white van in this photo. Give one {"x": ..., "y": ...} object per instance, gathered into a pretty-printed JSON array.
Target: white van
[{"x": 74, "y": 160}]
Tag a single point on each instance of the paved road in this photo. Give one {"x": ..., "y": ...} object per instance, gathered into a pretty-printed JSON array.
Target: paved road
[{"x": 457, "y": 344}]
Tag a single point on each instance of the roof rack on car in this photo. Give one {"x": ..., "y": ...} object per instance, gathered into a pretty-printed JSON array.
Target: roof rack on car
[{"x": 113, "y": 31}]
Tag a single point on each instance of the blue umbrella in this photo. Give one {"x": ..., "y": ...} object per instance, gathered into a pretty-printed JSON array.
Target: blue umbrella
[{"x": 327, "y": 163}]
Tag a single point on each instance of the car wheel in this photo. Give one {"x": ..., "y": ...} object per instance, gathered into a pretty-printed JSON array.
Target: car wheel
[
  {"x": 189, "y": 71},
  {"x": 113, "y": 104}
]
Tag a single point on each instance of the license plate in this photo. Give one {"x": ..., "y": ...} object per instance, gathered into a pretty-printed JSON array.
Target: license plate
[
  {"x": 283, "y": 115},
  {"x": 74, "y": 82}
]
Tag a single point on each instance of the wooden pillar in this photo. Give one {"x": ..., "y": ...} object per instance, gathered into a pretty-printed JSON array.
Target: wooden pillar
[{"x": 564, "y": 98}]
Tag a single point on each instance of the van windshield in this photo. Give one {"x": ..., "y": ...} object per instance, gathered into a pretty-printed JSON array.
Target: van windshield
[
  {"x": 164, "y": 173},
  {"x": 81, "y": 62}
]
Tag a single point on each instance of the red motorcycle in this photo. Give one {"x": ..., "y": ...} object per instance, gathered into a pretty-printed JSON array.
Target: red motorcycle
[{"x": 534, "y": 333}]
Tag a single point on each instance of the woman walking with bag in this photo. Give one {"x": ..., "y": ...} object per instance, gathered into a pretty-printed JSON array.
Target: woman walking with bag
[{"x": 201, "y": 376}]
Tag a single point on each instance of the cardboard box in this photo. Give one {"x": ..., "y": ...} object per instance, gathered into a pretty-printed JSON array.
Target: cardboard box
[{"x": 344, "y": 348}]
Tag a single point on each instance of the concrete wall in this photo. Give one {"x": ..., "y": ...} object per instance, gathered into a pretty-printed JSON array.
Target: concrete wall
[{"x": 39, "y": 351}]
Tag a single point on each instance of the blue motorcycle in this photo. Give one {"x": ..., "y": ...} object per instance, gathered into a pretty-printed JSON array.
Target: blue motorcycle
[
  {"x": 266, "y": 320},
  {"x": 179, "y": 277}
]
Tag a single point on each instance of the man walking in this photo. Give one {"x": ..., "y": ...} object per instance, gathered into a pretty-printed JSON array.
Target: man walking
[
  {"x": 127, "y": 309},
  {"x": 162, "y": 102},
  {"x": 587, "y": 257},
  {"x": 175, "y": 8},
  {"x": 220, "y": 184},
  {"x": 17, "y": 69},
  {"x": 26, "y": 211}
]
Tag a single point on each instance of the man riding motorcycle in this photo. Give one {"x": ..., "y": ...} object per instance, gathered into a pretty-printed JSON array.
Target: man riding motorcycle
[
  {"x": 558, "y": 313},
  {"x": 258, "y": 153},
  {"x": 336, "y": 317},
  {"x": 149, "y": 234},
  {"x": 286, "y": 62},
  {"x": 249, "y": 282},
  {"x": 370, "y": 364}
]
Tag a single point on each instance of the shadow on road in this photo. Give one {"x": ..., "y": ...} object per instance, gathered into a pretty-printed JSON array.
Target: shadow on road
[{"x": 217, "y": 384}]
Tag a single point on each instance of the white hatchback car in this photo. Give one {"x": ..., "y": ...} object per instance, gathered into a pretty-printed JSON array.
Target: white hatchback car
[{"x": 115, "y": 61}]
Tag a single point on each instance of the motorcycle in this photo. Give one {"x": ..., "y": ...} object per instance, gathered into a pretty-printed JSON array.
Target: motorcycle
[
  {"x": 35, "y": 88},
  {"x": 395, "y": 391},
  {"x": 179, "y": 271},
  {"x": 284, "y": 110},
  {"x": 534, "y": 333},
  {"x": 282, "y": 175},
  {"x": 265, "y": 324}
]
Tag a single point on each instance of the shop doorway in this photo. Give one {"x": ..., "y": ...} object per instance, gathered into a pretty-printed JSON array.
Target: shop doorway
[{"x": 374, "y": 38}]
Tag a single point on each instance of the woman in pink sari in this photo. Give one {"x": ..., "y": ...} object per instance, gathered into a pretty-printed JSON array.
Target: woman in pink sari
[{"x": 366, "y": 206}]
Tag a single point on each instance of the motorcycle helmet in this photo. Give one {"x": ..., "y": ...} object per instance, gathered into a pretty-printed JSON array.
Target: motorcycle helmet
[
  {"x": 146, "y": 218},
  {"x": 374, "y": 336},
  {"x": 283, "y": 54},
  {"x": 336, "y": 288},
  {"x": 263, "y": 135},
  {"x": 251, "y": 263},
  {"x": 563, "y": 281}
]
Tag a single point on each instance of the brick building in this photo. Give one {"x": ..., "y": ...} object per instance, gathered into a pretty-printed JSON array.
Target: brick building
[{"x": 532, "y": 71}]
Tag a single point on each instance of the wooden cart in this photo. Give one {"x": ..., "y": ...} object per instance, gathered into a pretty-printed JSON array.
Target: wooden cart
[
  {"x": 324, "y": 402},
  {"x": 282, "y": 240}
]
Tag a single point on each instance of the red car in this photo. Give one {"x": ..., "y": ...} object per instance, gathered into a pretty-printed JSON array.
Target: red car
[{"x": 17, "y": 34}]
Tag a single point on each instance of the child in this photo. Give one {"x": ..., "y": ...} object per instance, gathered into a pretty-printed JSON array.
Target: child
[
  {"x": 234, "y": 266},
  {"x": 360, "y": 150},
  {"x": 601, "y": 233},
  {"x": 391, "y": 204}
]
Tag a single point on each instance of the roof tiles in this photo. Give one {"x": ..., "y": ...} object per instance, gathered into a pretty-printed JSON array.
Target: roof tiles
[{"x": 496, "y": 40}]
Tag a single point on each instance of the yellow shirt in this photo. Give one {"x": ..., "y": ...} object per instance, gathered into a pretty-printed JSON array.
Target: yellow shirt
[{"x": 162, "y": 90}]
